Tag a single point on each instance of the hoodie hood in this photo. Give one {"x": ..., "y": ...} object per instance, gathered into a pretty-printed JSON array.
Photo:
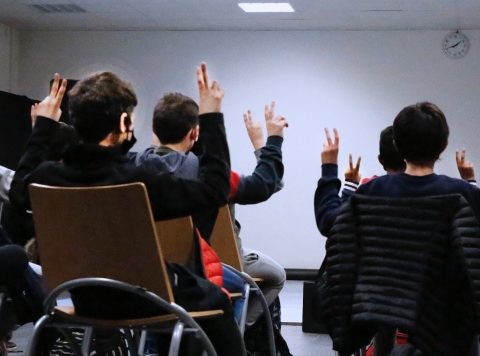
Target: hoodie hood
[{"x": 163, "y": 159}]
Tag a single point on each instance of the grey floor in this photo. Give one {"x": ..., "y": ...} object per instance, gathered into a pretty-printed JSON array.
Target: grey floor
[{"x": 300, "y": 344}]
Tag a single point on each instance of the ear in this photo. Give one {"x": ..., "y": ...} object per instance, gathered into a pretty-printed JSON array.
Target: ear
[
  {"x": 194, "y": 133},
  {"x": 126, "y": 124}
]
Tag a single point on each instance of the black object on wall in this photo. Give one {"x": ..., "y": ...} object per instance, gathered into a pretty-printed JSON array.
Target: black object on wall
[{"x": 15, "y": 127}]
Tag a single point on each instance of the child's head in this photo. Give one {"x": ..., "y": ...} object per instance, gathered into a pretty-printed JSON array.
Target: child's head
[
  {"x": 174, "y": 116},
  {"x": 388, "y": 156},
  {"x": 420, "y": 133}
]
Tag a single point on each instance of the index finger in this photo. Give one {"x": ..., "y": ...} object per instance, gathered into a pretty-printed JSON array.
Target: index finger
[
  {"x": 246, "y": 117},
  {"x": 54, "y": 88},
  {"x": 272, "y": 108},
  {"x": 204, "y": 73},
  {"x": 61, "y": 91},
  {"x": 350, "y": 162},
  {"x": 200, "y": 79},
  {"x": 327, "y": 135}
]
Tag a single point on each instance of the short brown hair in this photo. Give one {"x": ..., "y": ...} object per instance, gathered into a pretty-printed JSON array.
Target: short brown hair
[
  {"x": 174, "y": 115},
  {"x": 96, "y": 104}
]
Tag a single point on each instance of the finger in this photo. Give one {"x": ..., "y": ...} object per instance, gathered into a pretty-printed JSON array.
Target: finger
[
  {"x": 457, "y": 157},
  {"x": 461, "y": 157},
  {"x": 200, "y": 80},
  {"x": 204, "y": 73},
  {"x": 268, "y": 115},
  {"x": 336, "y": 136},
  {"x": 272, "y": 108},
  {"x": 247, "y": 118},
  {"x": 327, "y": 135},
  {"x": 61, "y": 91},
  {"x": 350, "y": 162},
  {"x": 359, "y": 160},
  {"x": 215, "y": 85},
  {"x": 54, "y": 88}
]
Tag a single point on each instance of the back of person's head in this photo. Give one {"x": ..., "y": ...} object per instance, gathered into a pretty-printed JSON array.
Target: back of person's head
[
  {"x": 97, "y": 103},
  {"x": 388, "y": 156},
  {"x": 420, "y": 133},
  {"x": 173, "y": 117}
]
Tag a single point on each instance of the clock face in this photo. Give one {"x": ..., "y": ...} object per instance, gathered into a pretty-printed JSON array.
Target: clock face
[{"x": 455, "y": 45}]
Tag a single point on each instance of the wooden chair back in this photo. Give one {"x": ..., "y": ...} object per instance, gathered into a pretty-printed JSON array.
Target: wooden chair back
[
  {"x": 177, "y": 239},
  {"x": 106, "y": 231},
  {"x": 223, "y": 239}
]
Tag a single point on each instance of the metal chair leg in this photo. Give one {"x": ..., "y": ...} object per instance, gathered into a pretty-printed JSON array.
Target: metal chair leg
[
  {"x": 176, "y": 339},
  {"x": 87, "y": 340},
  {"x": 37, "y": 329},
  {"x": 141, "y": 343},
  {"x": 243, "y": 319}
]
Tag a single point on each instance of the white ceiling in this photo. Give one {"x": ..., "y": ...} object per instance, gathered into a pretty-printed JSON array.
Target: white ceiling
[{"x": 226, "y": 15}]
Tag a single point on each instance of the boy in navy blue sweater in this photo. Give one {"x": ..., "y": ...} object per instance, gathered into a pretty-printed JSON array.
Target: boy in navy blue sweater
[{"x": 420, "y": 133}]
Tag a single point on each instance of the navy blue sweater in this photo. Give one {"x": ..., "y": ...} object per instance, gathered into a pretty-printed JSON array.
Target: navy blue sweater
[{"x": 327, "y": 201}]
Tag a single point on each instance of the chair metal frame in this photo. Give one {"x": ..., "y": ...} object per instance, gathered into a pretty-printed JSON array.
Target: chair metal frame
[
  {"x": 125, "y": 220},
  {"x": 224, "y": 242},
  {"x": 184, "y": 321}
]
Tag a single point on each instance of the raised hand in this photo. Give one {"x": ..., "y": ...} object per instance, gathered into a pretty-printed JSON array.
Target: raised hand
[
  {"x": 330, "y": 148},
  {"x": 50, "y": 106},
  {"x": 352, "y": 173},
  {"x": 465, "y": 168},
  {"x": 254, "y": 130},
  {"x": 210, "y": 95},
  {"x": 275, "y": 124}
]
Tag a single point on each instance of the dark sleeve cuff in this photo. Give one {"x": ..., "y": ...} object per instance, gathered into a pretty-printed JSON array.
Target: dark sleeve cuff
[
  {"x": 330, "y": 170},
  {"x": 275, "y": 141},
  {"x": 211, "y": 118},
  {"x": 45, "y": 123}
]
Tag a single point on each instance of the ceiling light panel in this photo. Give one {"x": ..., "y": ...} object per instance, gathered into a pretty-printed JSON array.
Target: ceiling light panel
[{"x": 266, "y": 7}]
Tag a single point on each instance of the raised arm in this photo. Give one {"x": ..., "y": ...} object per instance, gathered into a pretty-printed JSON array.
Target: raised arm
[
  {"x": 174, "y": 196},
  {"x": 326, "y": 199},
  {"x": 465, "y": 168},
  {"x": 266, "y": 178},
  {"x": 47, "y": 115}
]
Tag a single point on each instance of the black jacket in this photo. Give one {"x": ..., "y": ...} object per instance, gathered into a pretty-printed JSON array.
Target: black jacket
[
  {"x": 89, "y": 165},
  {"x": 410, "y": 263}
]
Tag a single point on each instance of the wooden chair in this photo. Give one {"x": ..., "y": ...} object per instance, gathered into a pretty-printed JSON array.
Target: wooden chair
[
  {"x": 224, "y": 242},
  {"x": 105, "y": 236}
]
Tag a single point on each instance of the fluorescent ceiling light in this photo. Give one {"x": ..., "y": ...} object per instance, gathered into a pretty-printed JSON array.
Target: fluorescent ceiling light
[{"x": 266, "y": 7}]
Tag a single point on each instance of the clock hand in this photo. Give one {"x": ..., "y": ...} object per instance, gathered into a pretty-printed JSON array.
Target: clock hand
[{"x": 455, "y": 45}]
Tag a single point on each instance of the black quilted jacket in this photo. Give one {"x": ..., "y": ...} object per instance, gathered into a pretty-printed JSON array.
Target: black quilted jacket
[{"x": 410, "y": 263}]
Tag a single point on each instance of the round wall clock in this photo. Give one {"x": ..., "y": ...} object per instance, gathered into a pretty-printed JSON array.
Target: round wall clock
[{"x": 455, "y": 45}]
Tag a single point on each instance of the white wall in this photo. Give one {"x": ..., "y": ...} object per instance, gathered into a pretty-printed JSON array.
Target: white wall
[
  {"x": 9, "y": 54},
  {"x": 356, "y": 81}
]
